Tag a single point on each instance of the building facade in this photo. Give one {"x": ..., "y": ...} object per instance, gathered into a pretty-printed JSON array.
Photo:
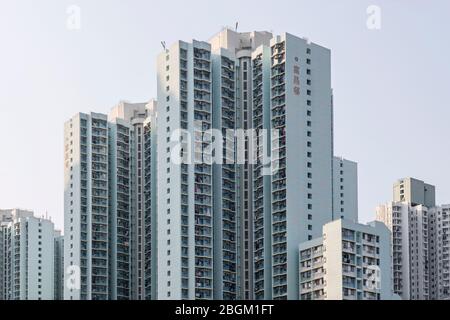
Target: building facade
[
  {"x": 345, "y": 189},
  {"x": 419, "y": 241},
  {"x": 350, "y": 261},
  {"x": 107, "y": 207},
  {"x": 27, "y": 257},
  {"x": 410, "y": 248},
  {"x": 439, "y": 234},
  {"x": 276, "y": 191},
  {"x": 59, "y": 266},
  {"x": 414, "y": 191}
]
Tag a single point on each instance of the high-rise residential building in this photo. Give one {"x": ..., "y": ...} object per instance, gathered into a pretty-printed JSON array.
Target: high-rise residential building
[
  {"x": 2, "y": 259},
  {"x": 439, "y": 241},
  {"x": 350, "y": 261},
  {"x": 141, "y": 116},
  {"x": 414, "y": 191},
  {"x": 59, "y": 266},
  {"x": 419, "y": 241},
  {"x": 238, "y": 49},
  {"x": 5, "y": 217},
  {"x": 27, "y": 256},
  {"x": 345, "y": 189},
  {"x": 151, "y": 214},
  {"x": 301, "y": 110},
  {"x": 107, "y": 207},
  {"x": 410, "y": 248},
  {"x": 86, "y": 207},
  {"x": 185, "y": 201},
  {"x": 262, "y": 210}
]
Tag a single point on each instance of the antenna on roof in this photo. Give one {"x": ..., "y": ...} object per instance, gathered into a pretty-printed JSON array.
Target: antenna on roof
[
  {"x": 163, "y": 43},
  {"x": 237, "y": 25}
]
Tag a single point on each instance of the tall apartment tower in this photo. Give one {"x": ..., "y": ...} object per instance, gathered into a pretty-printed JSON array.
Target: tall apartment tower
[
  {"x": 410, "y": 248},
  {"x": 185, "y": 202},
  {"x": 239, "y": 48},
  {"x": 86, "y": 207},
  {"x": 106, "y": 206},
  {"x": 27, "y": 257},
  {"x": 419, "y": 240},
  {"x": 345, "y": 189},
  {"x": 59, "y": 266},
  {"x": 439, "y": 236},
  {"x": 301, "y": 110},
  {"x": 140, "y": 116},
  {"x": 257, "y": 212},
  {"x": 414, "y": 191}
]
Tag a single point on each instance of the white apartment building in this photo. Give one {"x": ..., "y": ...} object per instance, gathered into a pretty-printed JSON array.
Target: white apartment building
[
  {"x": 27, "y": 256},
  {"x": 108, "y": 206},
  {"x": 420, "y": 243},
  {"x": 301, "y": 109},
  {"x": 185, "y": 202},
  {"x": 439, "y": 233},
  {"x": 410, "y": 248},
  {"x": 345, "y": 189},
  {"x": 237, "y": 49},
  {"x": 142, "y": 224},
  {"x": 244, "y": 81},
  {"x": 59, "y": 266},
  {"x": 350, "y": 261}
]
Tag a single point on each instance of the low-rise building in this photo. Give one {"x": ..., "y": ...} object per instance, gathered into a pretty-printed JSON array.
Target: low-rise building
[{"x": 350, "y": 261}]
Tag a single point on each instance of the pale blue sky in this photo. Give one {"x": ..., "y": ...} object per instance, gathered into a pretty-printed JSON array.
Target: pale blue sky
[{"x": 391, "y": 86}]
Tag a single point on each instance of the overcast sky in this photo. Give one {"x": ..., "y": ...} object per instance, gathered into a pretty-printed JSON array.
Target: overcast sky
[{"x": 391, "y": 86}]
